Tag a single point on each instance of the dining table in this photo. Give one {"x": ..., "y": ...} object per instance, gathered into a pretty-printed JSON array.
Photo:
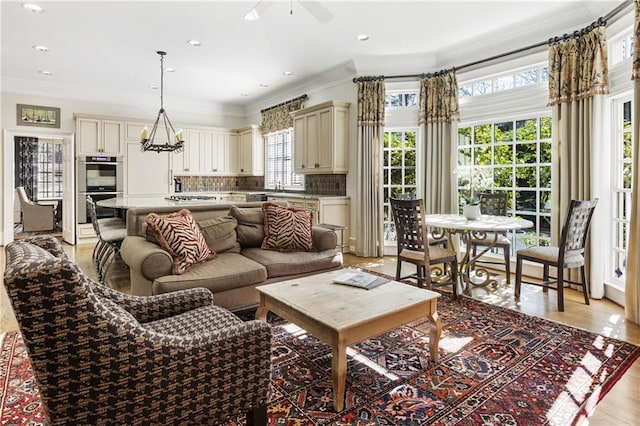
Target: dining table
[{"x": 485, "y": 227}]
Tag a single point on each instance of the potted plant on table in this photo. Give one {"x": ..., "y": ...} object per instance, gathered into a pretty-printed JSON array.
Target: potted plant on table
[
  {"x": 471, "y": 206},
  {"x": 471, "y": 209}
]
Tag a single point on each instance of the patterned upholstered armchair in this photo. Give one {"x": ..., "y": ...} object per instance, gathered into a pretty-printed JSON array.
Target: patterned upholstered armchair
[{"x": 100, "y": 356}]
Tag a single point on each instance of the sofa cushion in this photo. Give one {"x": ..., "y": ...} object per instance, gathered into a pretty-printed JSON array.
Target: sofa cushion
[
  {"x": 179, "y": 235},
  {"x": 286, "y": 228},
  {"x": 220, "y": 234},
  {"x": 250, "y": 227},
  {"x": 226, "y": 271},
  {"x": 281, "y": 264}
]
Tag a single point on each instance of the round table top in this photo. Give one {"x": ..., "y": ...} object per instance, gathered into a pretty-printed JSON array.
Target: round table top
[{"x": 483, "y": 223}]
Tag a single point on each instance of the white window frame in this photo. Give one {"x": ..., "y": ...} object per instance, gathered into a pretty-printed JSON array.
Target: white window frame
[
  {"x": 620, "y": 196},
  {"x": 48, "y": 169},
  {"x": 282, "y": 176},
  {"x": 474, "y": 173}
]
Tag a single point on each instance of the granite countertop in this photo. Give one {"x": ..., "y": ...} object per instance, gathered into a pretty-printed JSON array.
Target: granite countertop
[
  {"x": 305, "y": 196},
  {"x": 268, "y": 193}
]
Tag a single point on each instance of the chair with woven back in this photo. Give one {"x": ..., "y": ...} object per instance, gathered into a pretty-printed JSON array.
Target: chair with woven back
[
  {"x": 494, "y": 205},
  {"x": 411, "y": 231},
  {"x": 568, "y": 255},
  {"x": 434, "y": 240}
]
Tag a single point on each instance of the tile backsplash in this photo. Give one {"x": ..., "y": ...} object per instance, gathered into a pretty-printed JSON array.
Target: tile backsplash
[
  {"x": 314, "y": 184},
  {"x": 325, "y": 184}
]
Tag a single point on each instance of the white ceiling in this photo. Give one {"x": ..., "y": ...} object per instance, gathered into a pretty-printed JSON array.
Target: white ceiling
[{"x": 105, "y": 50}]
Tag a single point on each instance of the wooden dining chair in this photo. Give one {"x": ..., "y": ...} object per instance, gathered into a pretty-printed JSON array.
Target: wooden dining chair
[
  {"x": 411, "y": 231},
  {"x": 569, "y": 254},
  {"x": 494, "y": 205}
]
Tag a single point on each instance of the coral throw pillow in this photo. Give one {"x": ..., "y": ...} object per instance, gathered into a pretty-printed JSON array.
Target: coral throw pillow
[
  {"x": 287, "y": 229},
  {"x": 179, "y": 234}
]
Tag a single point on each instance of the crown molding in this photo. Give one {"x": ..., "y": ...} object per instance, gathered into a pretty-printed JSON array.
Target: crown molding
[
  {"x": 330, "y": 77},
  {"x": 110, "y": 96}
]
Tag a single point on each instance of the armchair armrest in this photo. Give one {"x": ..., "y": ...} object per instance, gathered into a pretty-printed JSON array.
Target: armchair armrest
[
  {"x": 151, "y": 308},
  {"x": 239, "y": 355}
]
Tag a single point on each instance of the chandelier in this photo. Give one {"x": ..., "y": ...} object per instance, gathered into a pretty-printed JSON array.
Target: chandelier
[{"x": 147, "y": 139}]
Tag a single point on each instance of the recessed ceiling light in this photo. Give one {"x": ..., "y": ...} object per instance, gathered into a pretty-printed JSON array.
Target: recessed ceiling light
[
  {"x": 244, "y": 94},
  {"x": 41, "y": 48},
  {"x": 45, "y": 72},
  {"x": 264, "y": 85},
  {"x": 33, "y": 7},
  {"x": 287, "y": 73},
  {"x": 194, "y": 43},
  {"x": 362, "y": 37},
  {"x": 170, "y": 70}
]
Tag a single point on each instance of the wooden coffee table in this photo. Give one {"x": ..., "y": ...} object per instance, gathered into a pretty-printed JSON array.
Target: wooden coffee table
[{"x": 341, "y": 315}]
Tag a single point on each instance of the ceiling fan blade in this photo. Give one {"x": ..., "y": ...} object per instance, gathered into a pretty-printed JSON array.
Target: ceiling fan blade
[
  {"x": 257, "y": 11},
  {"x": 317, "y": 10}
]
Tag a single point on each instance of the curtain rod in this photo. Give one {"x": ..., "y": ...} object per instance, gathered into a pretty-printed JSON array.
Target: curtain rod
[
  {"x": 577, "y": 33},
  {"x": 299, "y": 98}
]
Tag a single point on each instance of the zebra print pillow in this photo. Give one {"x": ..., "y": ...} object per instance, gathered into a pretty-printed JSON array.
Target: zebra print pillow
[
  {"x": 287, "y": 229},
  {"x": 179, "y": 234}
]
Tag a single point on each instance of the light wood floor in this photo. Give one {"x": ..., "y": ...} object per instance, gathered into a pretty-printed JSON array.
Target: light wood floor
[{"x": 621, "y": 406}]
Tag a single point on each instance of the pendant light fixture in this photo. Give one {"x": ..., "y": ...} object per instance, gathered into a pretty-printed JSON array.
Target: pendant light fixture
[{"x": 175, "y": 140}]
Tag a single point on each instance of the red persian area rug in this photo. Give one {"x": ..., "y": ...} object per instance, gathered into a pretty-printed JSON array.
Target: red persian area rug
[{"x": 496, "y": 367}]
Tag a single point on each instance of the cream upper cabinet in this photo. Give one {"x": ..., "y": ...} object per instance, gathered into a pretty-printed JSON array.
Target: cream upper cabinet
[
  {"x": 99, "y": 136},
  {"x": 147, "y": 173},
  {"x": 189, "y": 160},
  {"x": 217, "y": 152},
  {"x": 321, "y": 138},
  {"x": 250, "y": 152}
]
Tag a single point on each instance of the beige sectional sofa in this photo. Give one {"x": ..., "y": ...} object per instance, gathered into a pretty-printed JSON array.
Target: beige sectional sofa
[{"x": 235, "y": 232}]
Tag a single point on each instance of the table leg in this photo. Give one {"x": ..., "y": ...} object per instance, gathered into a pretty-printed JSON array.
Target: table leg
[
  {"x": 435, "y": 330},
  {"x": 467, "y": 265},
  {"x": 262, "y": 311},
  {"x": 339, "y": 373}
]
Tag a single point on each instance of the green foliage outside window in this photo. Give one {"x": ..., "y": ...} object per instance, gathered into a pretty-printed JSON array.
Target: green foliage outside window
[{"x": 512, "y": 157}]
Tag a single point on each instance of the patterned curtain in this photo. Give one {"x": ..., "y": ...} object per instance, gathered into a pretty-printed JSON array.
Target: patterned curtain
[
  {"x": 368, "y": 201},
  {"x": 578, "y": 76},
  {"x": 26, "y": 150},
  {"x": 439, "y": 116},
  {"x": 632, "y": 284},
  {"x": 279, "y": 118}
]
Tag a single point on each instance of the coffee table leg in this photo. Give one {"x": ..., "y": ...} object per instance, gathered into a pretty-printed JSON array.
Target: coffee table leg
[
  {"x": 435, "y": 330},
  {"x": 339, "y": 372}
]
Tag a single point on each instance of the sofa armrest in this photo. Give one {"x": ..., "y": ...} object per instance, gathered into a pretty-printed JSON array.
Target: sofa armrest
[
  {"x": 152, "y": 308},
  {"x": 146, "y": 256},
  {"x": 324, "y": 238}
]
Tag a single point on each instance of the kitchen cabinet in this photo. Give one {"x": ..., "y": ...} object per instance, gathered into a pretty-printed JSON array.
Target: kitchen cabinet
[
  {"x": 99, "y": 136},
  {"x": 321, "y": 138},
  {"x": 188, "y": 161},
  {"x": 217, "y": 156},
  {"x": 147, "y": 173},
  {"x": 333, "y": 210},
  {"x": 249, "y": 158}
]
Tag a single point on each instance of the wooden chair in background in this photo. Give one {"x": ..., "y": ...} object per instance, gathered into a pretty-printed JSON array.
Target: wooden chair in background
[
  {"x": 411, "y": 231},
  {"x": 495, "y": 205},
  {"x": 569, "y": 254}
]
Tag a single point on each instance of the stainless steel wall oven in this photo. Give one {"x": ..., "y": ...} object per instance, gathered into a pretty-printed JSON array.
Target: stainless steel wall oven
[{"x": 101, "y": 177}]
